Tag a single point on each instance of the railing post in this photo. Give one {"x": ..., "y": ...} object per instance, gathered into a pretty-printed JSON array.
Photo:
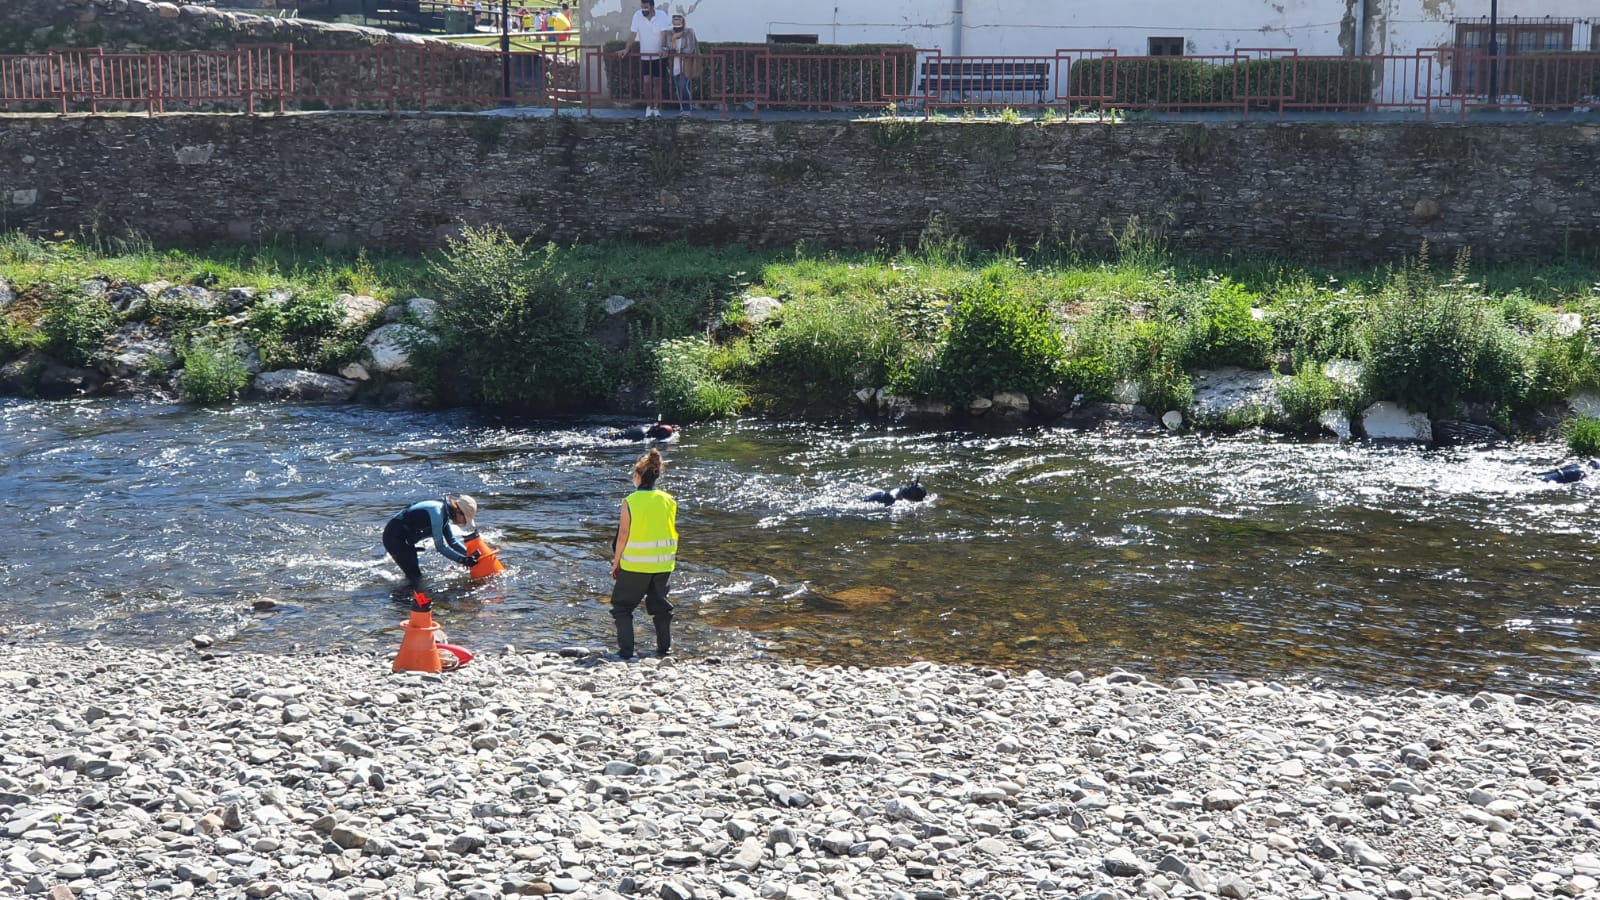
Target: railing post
[{"x": 58, "y": 78}]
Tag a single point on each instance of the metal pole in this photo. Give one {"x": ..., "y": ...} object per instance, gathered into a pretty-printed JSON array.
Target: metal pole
[
  {"x": 1494, "y": 52},
  {"x": 505, "y": 52}
]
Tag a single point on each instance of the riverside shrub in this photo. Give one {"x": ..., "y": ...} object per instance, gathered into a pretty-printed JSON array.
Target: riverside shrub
[
  {"x": 75, "y": 325},
  {"x": 822, "y": 348},
  {"x": 1219, "y": 328},
  {"x": 513, "y": 330},
  {"x": 1433, "y": 346},
  {"x": 1000, "y": 339},
  {"x": 213, "y": 373},
  {"x": 1582, "y": 435},
  {"x": 688, "y": 385}
]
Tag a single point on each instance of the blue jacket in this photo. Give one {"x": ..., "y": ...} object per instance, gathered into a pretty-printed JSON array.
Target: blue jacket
[{"x": 427, "y": 517}]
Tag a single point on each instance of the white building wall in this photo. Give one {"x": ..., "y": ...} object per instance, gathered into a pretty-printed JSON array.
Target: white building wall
[{"x": 1040, "y": 27}]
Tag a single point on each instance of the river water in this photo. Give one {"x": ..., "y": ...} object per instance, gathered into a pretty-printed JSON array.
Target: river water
[{"x": 1250, "y": 556}]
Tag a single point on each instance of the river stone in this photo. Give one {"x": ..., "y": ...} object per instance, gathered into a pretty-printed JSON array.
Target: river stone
[
  {"x": 979, "y": 406},
  {"x": 1336, "y": 423},
  {"x": 189, "y": 297},
  {"x": 357, "y": 308},
  {"x": 300, "y": 385},
  {"x": 1568, "y": 324},
  {"x": 1389, "y": 421},
  {"x": 758, "y": 310},
  {"x": 20, "y": 377},
  {"x": 1172, "y": 419},
  {"x": 390, "y": 346},
  {"x": 355, "y": 372},
  {"x": 7, "y": 295},
  {"x": 1011, "y": 403}
]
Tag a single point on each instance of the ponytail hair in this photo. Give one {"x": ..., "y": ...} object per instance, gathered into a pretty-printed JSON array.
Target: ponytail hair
[{"x": 649, "y": 467}]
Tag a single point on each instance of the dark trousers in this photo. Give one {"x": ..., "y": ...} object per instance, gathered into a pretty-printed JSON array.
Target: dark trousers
[
  {"x": 632, "y": 587},
  {"x": 397, "y": 541}
]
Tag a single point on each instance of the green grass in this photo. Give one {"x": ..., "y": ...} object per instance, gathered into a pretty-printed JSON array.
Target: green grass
[{"x": 895, "y": 318}]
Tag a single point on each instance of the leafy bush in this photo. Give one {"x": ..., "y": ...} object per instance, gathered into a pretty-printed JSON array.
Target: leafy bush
[
  {"x": 999, "y": 340},
  {"x": 688, "y": 386},
  {"x": 1101, "y": 351},
  {"x": 296, "y": 333},
  {"x": 1144, "y": 82},
  {"x": 1307, "y": 395},
  {"x": 1219, "y": 329},
  {"x": 513, "y": 326},
  {"x": 1582, "y": 435},
  {"x": 75, "y": 326},
  {"x": 822, "y": 348},
  {"x": 1315, "y": 322},
  {"x": 17, "y": 338},
  {"x": 1433, "y": 345},
  {"x": 212, "y": 373},
  {"x": 1559, "y": 364}
]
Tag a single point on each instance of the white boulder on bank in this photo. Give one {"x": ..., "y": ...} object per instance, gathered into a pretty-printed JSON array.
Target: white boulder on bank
[
  {"x": 391, "y": 346},
  {"x": 1389, "y": 421}
]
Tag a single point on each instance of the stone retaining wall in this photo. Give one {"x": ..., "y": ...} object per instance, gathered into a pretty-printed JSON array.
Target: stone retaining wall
[{"x": 1318, "y": 191}]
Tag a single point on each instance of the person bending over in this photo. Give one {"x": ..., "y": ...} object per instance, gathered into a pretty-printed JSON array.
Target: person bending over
[
  {"x": 422, "y": 519},
  {"x": 656, "y": 432},
  {"x": 644, "y": 555}
]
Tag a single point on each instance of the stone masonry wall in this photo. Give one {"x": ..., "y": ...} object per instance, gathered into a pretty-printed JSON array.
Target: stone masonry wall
[
  {"x": 131, "y": 26},
  {"x": 1320, "y": 192}
]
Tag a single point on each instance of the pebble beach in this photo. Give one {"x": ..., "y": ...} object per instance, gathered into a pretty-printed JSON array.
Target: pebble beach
[{"x": 129, "y": 773}]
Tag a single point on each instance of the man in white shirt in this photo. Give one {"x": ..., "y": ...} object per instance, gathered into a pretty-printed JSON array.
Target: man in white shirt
[{"x": 650, "y": 33}]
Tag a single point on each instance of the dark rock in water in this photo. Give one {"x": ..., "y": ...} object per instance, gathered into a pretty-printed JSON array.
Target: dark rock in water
[
  {"x": 1454, "y": 433},
  {"x": 20, "y": 377}
]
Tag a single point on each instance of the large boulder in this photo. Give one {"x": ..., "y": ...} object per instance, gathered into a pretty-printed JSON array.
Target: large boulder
[
  {"x": 1233, "y": 394},
  {"x": 390, "y": 346},
  {"x": 1389, "y": 421},
  {"x": 189, "y": 298},
  {"x": 138, "y": 351},
  {"x": 419, "y": 309},
  {"x": 58, "y": 382},
  {"x": 20, "y": 377},
  {"x": 757, "y": 310},
  {"x": 357, "y": 308},
  {"x": 300, "y": 385}
]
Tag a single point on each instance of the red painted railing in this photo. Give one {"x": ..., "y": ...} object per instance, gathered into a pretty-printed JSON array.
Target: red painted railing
[{"x": 1079, "y": 82}]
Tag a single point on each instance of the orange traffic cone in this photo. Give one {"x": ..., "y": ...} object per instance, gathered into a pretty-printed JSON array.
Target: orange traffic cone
[
  {"x": 417, "y": 650},
  {"x": 488, "y": 558}
]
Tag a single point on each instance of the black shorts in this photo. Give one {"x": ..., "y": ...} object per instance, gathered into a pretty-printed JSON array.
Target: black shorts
[{"x": 652, "y": 67}]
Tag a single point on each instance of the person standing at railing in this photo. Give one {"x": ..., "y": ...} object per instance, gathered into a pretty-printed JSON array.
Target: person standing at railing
[
  {"x": 684, "y": 50},
  {"x": 649, "y": 32},
  {"x": 561, "y": 22}
]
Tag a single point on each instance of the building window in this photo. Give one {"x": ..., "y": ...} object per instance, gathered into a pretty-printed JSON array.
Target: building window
[
  {"x": 1470, "y": 75},
  {"x": 1166, "y": 46}
]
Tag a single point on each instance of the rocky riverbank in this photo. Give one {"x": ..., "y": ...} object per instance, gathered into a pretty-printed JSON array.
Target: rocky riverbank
[{"x": 135, "y": 774}]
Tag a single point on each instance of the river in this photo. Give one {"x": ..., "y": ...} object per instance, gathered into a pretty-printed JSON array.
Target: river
[{"x": 1249, "y": 556}]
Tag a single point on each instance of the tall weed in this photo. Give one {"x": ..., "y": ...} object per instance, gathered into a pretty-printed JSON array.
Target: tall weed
[
  {"x": 513, "y": 327},
  {"x": 999, "y": 340}
]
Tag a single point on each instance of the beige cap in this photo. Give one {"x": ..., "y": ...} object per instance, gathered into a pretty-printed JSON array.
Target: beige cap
[{"x": 469, "y": 509}]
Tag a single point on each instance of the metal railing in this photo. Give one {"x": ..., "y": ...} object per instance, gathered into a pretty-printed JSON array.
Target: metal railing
[{"x": 1095, "y": 83}]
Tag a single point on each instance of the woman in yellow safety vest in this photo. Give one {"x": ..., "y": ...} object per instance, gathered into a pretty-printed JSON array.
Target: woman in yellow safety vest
[{"x": 645, "y": 552}]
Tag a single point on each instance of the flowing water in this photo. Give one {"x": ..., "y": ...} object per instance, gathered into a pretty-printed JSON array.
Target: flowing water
[{"x": 1250, "y": 556}]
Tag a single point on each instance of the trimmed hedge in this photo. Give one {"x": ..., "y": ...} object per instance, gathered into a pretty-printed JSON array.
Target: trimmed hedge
[
  {"x": 745, "y": 70},
  {"x": 1565, "y": 79},
  {"x": 1140, "y": 82}
]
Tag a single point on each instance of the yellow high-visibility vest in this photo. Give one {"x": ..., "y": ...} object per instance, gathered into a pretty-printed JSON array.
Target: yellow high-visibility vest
[{"x": 652, "y": 532}]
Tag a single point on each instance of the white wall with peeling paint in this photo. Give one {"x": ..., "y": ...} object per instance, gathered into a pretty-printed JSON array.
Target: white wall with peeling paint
[{"x": 1040, "y": 27}]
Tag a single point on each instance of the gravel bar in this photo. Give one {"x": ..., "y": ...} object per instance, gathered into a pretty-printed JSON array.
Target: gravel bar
[{"x": 131, "y": 773}]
